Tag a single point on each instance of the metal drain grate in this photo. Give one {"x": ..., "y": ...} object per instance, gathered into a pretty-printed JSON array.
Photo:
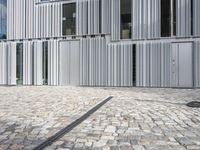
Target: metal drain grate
[
  {"x": 194, "y": 104},
  {"x": 70, "y": 127}
]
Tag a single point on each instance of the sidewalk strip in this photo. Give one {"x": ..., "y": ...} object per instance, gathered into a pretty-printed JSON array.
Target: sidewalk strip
[{"x": 71, "y": 126}]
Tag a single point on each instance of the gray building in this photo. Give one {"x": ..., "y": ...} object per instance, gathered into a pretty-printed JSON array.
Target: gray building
[{"x": 144, "y": 43}]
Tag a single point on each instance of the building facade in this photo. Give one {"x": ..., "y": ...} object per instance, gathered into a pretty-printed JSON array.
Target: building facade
[{"x": 144, "y": 43}]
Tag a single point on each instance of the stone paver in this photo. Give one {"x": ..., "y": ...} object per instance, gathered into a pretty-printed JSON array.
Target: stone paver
[
  {"x": 29, "y": 115},
  {"x": 135, "y": 119}
]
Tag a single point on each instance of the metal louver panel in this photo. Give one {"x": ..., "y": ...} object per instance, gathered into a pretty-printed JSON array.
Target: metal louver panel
[
  {"x": 183, "y": 18},
  {"x": 16, "y": 19},
  {"x": 105, "y": 16},
  {"x": 93, "y": 62},
  {"x": 27, "y": 63},
  {"x": 146, "y": 19},
  {"x": 53, "y": 62},
  {"x": 37, "y": 62},
  {"x": 197, "y": 64},
  {"x": 82, "y": 17},
  {"x": 3, "y": 63},
  {"x": 153, "y": 65},
  {"x": 196, "y": 17},
  {"x": 115, "y": 20},
  {"x": 12, "y": 63},
  {"x": 120, "y": 63}
]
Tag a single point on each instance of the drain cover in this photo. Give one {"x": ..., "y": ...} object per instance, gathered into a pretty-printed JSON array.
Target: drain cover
[{"x": 194, "y": 104}]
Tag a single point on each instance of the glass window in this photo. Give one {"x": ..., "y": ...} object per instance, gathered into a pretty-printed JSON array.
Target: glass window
[
  {"x": 45, "y": 63},
  {"x": 168, "y": 18},
  {"x": 3, "y": 18},
  {"x": 69, "y": 19},
  {"x": 19, "y": 63},
  {"x": 125, "y": 14}
]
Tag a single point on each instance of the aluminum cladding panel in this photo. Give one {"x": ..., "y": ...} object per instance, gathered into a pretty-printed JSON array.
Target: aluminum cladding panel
[
  {"x": 3, "y": 63},
  {"x": 93, "y": 62},
  {"x": 153, "y": 64},
  {"x": 197, "y": 63},
  {"x": 120, "y": 64},
  {"x": 196, "y": 14},
  {"x": 146, "y": 19}
]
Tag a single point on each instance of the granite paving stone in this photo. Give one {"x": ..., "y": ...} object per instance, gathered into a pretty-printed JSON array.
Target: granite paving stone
[{"x": 135, "y": 119}]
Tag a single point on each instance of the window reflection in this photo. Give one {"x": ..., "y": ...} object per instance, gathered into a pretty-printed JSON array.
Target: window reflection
[
  {"x": 3, "y": 18},
  {"x": 126, "y": 19},
  {"x": 69, "y": 19}
]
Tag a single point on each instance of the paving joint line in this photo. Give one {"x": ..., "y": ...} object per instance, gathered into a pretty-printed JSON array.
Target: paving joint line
[{"x": 71, "y": 126}]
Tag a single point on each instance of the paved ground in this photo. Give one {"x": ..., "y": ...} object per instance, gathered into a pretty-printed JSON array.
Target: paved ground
[{"x": 136, "y": 118}]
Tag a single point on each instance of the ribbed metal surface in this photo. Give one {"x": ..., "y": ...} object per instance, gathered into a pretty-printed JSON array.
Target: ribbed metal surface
[
  {"x": 27, "y": 63},
  {"x": 16, "y": 19},
  {"x": 12, "y": 63},
  {"x": 53, "y": 62},
  {"x": 196, "y": 15},
  {"x": 183, "y": 18},
  {"x": 93, "y": 62},
  {"x": 48, "y": 20},
  {"x": 197, "y": 63},
  {"x": 82, "y": 17},
  {"x": 146, "y": 19},
  {"x": 153, "y": 64},
  {"x": 120, "y": 63},
  {"x": 104, "y": 60},
  {"x": 3, "y": 63},
  {"x": 115, "y": 20},
  {"x": 37, "y": 45}
]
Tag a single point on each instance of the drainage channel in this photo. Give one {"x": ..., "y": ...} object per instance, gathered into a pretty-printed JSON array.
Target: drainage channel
[{"x": 71, "y": 126}]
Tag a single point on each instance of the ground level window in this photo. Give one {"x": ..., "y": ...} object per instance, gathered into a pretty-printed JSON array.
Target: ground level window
[
  {"x": 45, "y": 63},
  {"x": 125, "y": 14},
  {"x": 19, "y": 63},
  {"x": 69, "y": 19}
]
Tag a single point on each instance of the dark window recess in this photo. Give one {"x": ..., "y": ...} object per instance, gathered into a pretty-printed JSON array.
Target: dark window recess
[
  {"x": 134, "y": 65},
  {"x": 174, "y": 17},
  {"x": 3, "y": 19},
  {"x": 69, "y": 19},
  {"x": 126, "y": 21},
  {"x": 165, "y": 18},
  {"x": 192, "y": 14},
  {"x": 19, "y": 63},
  {"x": 45, "y": 63}
]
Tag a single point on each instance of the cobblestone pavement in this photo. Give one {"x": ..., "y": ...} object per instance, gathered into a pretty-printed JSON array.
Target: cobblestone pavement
[
  {"x": 136, "y": 118},
  {"x": 29, "y": 115}
]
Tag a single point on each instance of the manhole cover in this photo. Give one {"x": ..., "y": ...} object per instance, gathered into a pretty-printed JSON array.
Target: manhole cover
[{"x": 194, "y": 104}]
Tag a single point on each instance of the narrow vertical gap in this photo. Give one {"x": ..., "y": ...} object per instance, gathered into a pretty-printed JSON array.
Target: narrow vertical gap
[
  {"x": 19, "y": 63},
  {"x": 45, "y": 63},
  {"x": 174, "y": 17},
  {"x": 134, "y": 65},
  {"x": 33, "y": 70},
  {"x": 191, "y": 19}
]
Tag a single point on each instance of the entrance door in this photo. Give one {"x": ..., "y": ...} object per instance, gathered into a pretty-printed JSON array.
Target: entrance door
[
  {"x": 69, "y": 66},
  {"x": 182, "y": 66}
]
